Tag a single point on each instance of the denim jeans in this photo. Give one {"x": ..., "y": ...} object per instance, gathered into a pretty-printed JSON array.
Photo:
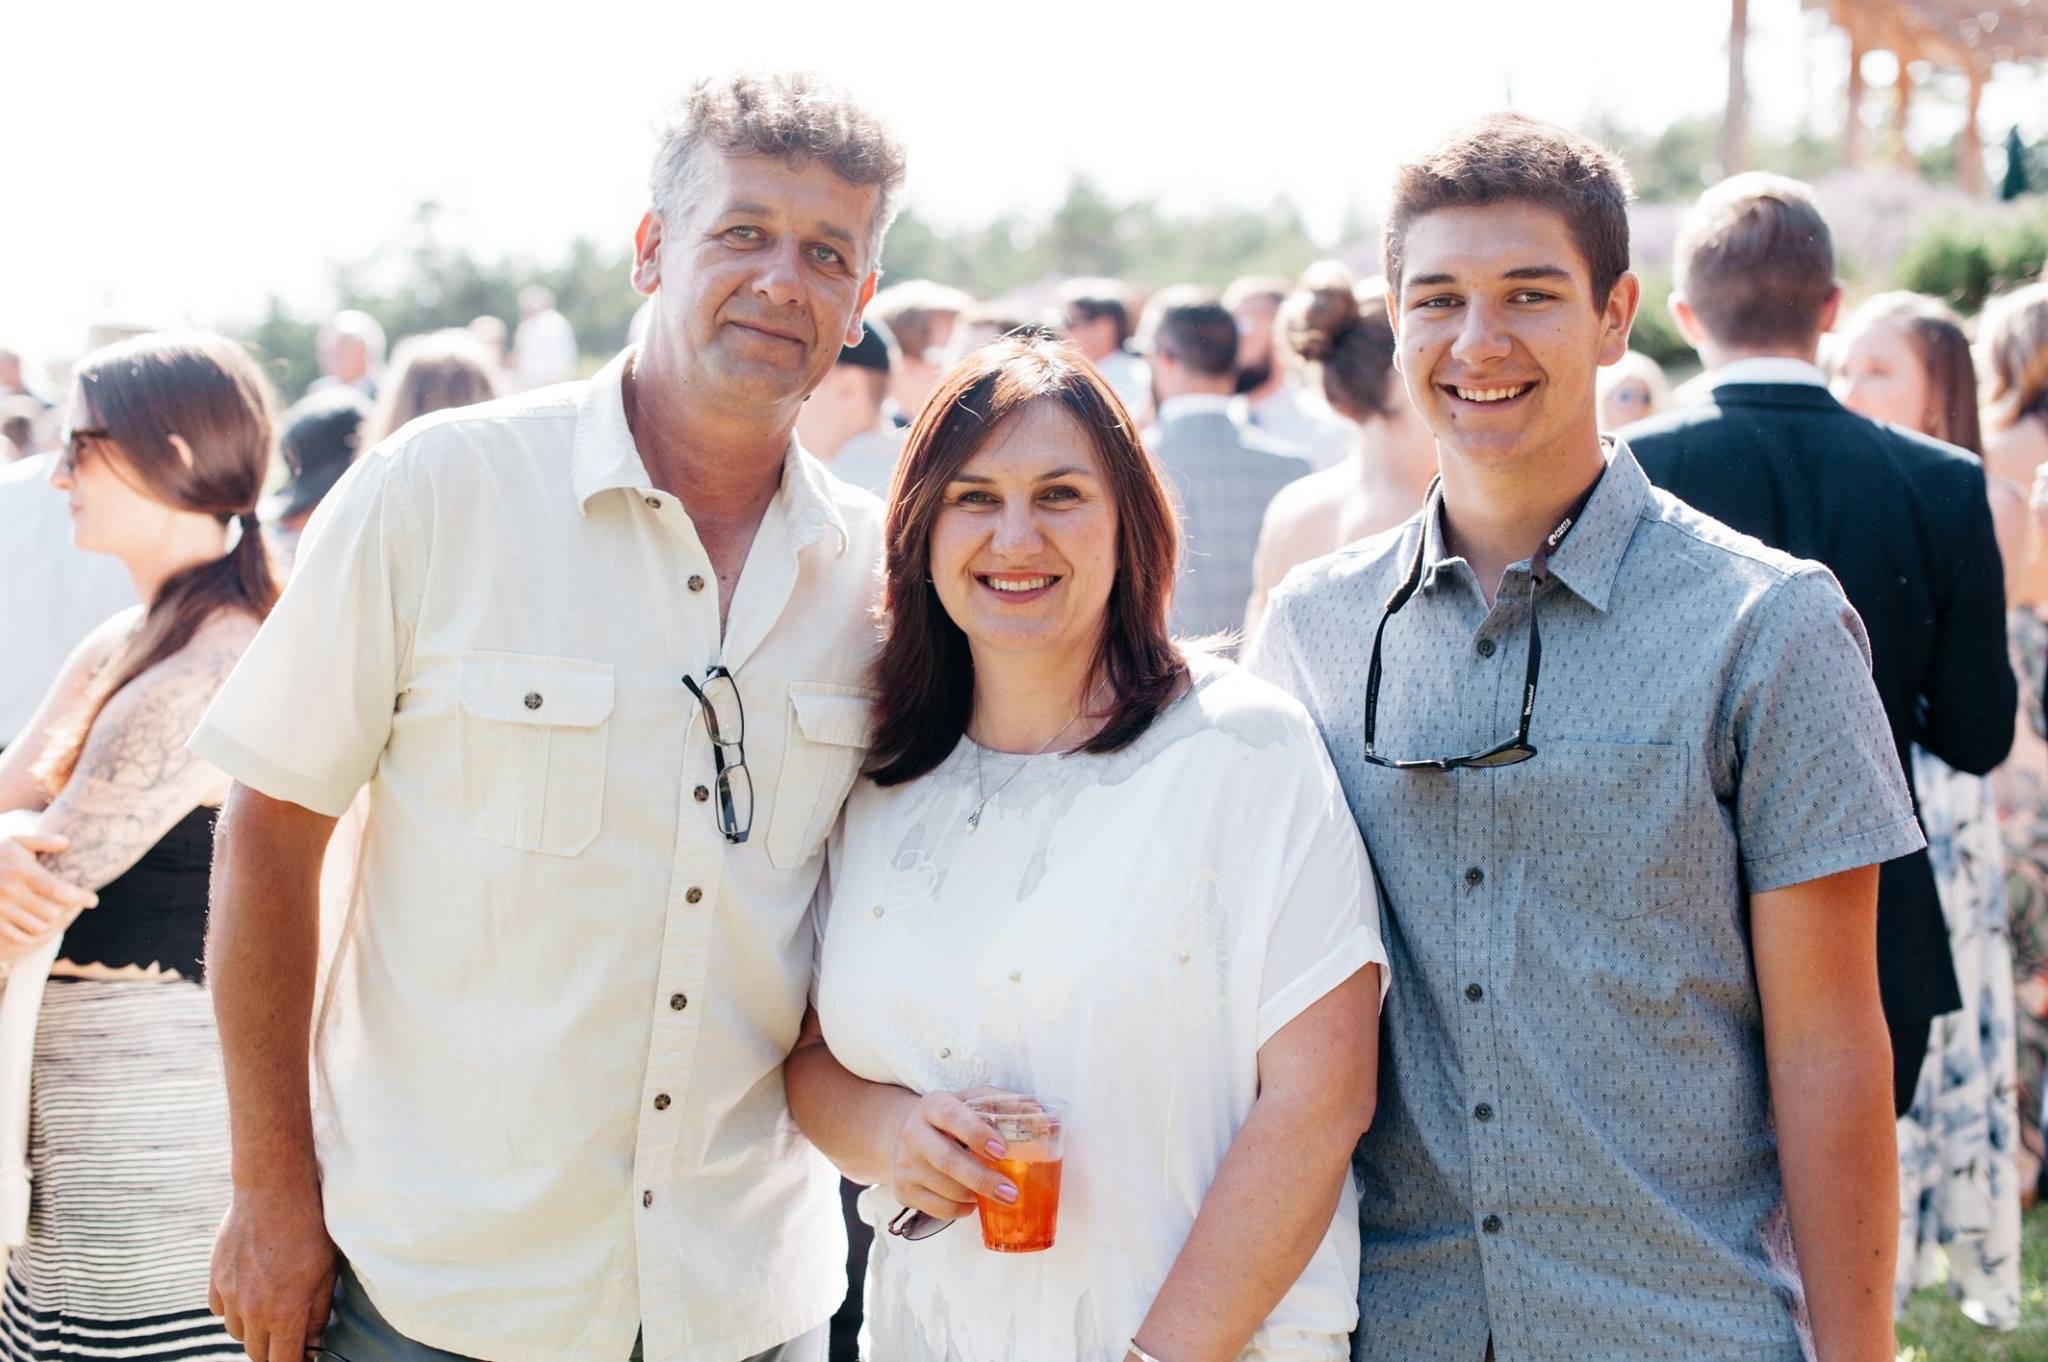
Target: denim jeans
[{"x": 357, "y": 1333}]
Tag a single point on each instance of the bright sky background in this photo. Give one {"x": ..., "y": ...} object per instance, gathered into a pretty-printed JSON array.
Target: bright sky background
[{"x": 184, "y": 161}]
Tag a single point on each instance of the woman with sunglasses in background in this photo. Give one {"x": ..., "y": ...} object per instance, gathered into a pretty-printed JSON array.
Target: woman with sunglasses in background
[
  {"x": 125, "y": 1180},
  {"x": 1088, "y": 866}
]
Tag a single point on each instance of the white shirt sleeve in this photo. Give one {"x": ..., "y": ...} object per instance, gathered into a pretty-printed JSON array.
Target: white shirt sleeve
[
  {"x": 306, "y": 713},
  {"x": 1325, "y": 920}
]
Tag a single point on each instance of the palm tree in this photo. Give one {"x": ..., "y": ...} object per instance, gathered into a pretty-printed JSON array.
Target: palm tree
[{"x": 1735, "y": 122}]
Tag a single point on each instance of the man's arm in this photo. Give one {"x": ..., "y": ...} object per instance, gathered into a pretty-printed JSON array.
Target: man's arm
[
  {"x": 273, "y": 1264},
  {"x": 1831, "y": 1086},
  {"x": 1966, "y": 711}
]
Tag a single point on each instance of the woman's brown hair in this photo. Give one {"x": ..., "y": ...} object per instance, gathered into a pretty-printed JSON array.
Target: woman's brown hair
[
  {"x": 430, "y": 373},
  {"x": 157, "y": 397},
  {"x": 1342, "y": 328},
  {"x": 925, "y": 673},
  {"x": 1936, "y": 335}
]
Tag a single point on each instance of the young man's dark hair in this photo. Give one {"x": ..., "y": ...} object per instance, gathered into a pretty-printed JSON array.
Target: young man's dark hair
[
  {"x": 1508, "y": 157},
  {"x": 1756, "y": 262},
  {"x": 1195, "y": 329}
]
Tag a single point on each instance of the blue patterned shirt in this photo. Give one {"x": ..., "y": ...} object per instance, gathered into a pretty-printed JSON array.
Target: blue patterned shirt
[{"x": 1573, "y": 1150}]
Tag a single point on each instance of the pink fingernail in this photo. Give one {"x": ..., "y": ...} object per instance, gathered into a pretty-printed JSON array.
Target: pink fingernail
[
  {"x": 1005, "y": 1192},
  {"x": 994, "y": 1148}
]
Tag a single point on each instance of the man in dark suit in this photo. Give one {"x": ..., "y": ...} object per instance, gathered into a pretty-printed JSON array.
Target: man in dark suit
[{"x": 1901, "y": 520}]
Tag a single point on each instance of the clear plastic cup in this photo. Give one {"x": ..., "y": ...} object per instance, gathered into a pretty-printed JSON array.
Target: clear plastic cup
[{"x": 1033, "y": 1132}]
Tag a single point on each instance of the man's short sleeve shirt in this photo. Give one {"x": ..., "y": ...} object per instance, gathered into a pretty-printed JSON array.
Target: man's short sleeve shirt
[{"x": 1573, "y": 1147}]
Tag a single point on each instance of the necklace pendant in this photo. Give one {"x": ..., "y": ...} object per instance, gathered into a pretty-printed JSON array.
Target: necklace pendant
[{"x": 974, "y": 819}]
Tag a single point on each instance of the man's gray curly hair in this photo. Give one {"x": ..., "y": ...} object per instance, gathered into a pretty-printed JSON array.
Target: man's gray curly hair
[{"x": 791, "y": 115}]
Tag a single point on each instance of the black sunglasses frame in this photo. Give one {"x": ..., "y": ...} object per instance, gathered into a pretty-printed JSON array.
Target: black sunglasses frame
[
  {"x": 1514, "y": 750},
  {"x": 1509, "y": 753},
  {"x": 912, "y": 1226},
  {"x": 728, "y": 768}
]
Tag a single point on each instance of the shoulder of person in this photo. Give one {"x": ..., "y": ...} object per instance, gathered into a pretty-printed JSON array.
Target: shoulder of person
[
  {"x": 1320, "y": 493},
  {"x": 1368, "y": 565},
  {"x": 98, "y": 647},
  {"x": 502, "y": 427},
  {"x": 25, "y": 475},
  {"x": 1924, "y": 456},
  {"x": 2018, "y": 449},
  {"x": 1259, "y": 442},
  {"x": 1246, "y": 707},
  {"x": 1668, "y": 433},
  {"x": 1725, "y": 556}
]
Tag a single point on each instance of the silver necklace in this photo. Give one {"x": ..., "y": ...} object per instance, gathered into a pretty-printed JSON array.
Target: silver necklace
[{"x": 974, "y": 818}]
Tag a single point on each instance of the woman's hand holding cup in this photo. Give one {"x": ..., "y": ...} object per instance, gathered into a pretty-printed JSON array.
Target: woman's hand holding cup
[{"x": 930, "y": 1168}]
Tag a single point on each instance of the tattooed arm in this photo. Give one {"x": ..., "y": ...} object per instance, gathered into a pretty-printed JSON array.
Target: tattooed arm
[
  {"x": 34, "y": 903},
  {"x": 18, "y": 788},
  {"x": 135, "y": 779}
]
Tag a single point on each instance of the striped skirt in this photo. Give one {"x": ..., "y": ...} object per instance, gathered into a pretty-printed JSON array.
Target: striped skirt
[{"x": 128, "y": 1146}]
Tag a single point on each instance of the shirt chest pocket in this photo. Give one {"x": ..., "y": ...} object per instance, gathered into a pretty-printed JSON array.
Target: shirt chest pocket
[
  {"x": 825, "y": 741},
  {"x": 534, "y": 738},
  {"x": 1615, "y": 835}
]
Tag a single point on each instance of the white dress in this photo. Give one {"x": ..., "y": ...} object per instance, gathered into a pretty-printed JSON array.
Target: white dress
[{"x": 1123, "y": 932}]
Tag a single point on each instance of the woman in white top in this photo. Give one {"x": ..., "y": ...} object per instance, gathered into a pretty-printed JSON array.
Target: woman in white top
[{"x": 1091, "y": 868}]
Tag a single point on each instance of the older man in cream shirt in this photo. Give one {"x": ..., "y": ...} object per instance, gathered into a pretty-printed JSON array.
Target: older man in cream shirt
[{"x": 597, "y": 654}]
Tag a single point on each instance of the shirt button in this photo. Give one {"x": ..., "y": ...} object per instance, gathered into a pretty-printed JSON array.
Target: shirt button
[
  {"x": 661, "y": 1101},
  {"x": 1015, "y": 976},
  {"x": 695, "y": 895},
  {"x": 647, "y": 1198},
  {"x": 1483, "y": 1112},
  {"x": 654, "y": 502},
  {"x": 701, "y": 793},
  {"x": 677, "y": 1002},
  {"x": 878, "y": 910},
  {"x": 1475, "y": 876},
  {"x": 1491, "y": 1224},
  {"x": 532, "y": 699},
  {"x": 696, "y": 583},
  {"x": 1474, "y": 992},
  {"x": 945, "y": 1052},
  {"x": 1486, "y": 647}
]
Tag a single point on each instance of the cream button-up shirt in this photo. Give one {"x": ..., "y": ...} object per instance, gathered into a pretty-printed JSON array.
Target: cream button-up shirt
[{"x": 548, "y": 1056}]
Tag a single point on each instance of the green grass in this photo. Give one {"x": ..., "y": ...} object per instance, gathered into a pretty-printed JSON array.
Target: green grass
[{"x": 1935, "y": 1331}]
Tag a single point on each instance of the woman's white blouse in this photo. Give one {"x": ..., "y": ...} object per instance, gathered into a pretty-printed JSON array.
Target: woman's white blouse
[{"x": 1123, "y": 932}]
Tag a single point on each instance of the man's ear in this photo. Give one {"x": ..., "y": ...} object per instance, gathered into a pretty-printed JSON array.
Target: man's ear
[
  {"x": 1831, "y": 310},
  {"x": 1686, "y": 320},
  {"x": 1393, "y": 306},
  {"x": 1619, "y": 316},
  {"x": 647, "y": 254},
  {"x": 855, "y": 326}
]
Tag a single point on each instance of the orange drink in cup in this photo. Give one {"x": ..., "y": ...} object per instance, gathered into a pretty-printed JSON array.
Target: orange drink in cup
[{"x": 1033, "y": 1132}]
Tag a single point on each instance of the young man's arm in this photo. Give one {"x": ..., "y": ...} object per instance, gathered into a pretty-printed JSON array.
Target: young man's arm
[
  {"x": 273, "y": 1264},
  {"x": 1830, "y": 1067}
]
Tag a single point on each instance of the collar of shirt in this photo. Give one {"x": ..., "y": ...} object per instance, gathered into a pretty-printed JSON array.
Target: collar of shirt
[
  {"x": 1194, "y": 404},
  {"x": 606, "y": 459},
  {"x": 1591, "y": 554},
  {"x": 1768, "y": 369}
]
